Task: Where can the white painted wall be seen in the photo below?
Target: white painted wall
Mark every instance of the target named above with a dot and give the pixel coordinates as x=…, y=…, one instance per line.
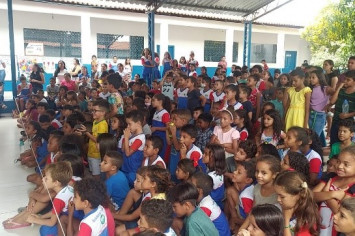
x=185, y=33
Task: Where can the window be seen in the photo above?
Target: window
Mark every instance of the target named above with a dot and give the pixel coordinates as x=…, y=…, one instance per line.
x=214, y=50
x=52, y=43
x=265, y=52
x=122, y=46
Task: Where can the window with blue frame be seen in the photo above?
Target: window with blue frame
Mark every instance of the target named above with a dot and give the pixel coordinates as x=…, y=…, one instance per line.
x=55, y=43
x=214, y=50
x=265, y=52
x=122, y=46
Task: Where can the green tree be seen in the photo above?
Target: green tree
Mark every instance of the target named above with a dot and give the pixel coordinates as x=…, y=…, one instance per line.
x=333, y=33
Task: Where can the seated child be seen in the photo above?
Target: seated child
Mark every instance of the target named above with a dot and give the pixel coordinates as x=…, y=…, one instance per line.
x=205, y=130
x=116, y=182
x=246, y=151
x=240, y=195
x=268, y=221
x=196, y=113
x=54, y=122
x=188, y=149
x=57, y=178
x=298, y=162
x=90, y=197
x=133, y=145
x=156, y=215
x=184, y=199
x=204, y=185
x=344, y=219
x=185, y=169
x=153, y=144
x=345, y=135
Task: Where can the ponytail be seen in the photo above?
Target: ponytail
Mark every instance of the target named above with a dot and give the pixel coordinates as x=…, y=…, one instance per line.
x=165, y=99
x=306, y=210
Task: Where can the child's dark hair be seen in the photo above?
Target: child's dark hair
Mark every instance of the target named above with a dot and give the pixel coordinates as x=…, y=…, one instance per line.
x=350, y=74
x=44, y=119
x=76, y=163
x=102, y=104
x=157, y=142
x=77, y=141
x=184, y=114
x=243, y=114
x=249, y=167
x=115, y=80
x=43, y=104
x=255, y=77
x=107, y=142
x=190, y=129
x=158, y=213
x=249, y=148
x=245, y=89
x=273, y=162
x=51, y=113
x=193, y=80
x=288, y=80
x=321, y=77
x=36, y=126
x=298, y=72
x=206, y=117
x=187, y=166
x=306, y=210
x=218, y=156
x=201, y=109
x=348, y=123
x=70, y=148
x=183, y=192
x=269, y=219
x=204, y=182
x=270, y=104
x=142, y=170
x=299, y=163
x=92, y=190
x=160, y=176
x=57, y=134
x=115, y=158
x=206, y=79
x=122, y=124
x=139, y=103
x=300, y=134
x=135, y=116
x=140, y=94
x=267, y=148
x=277, y=123
x=233, y=88
x=315, y=141
x=166, y=101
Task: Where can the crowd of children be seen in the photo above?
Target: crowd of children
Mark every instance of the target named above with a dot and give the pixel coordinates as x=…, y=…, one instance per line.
x=193, y=155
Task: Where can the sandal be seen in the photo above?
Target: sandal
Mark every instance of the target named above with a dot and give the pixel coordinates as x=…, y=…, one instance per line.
x=9, y=224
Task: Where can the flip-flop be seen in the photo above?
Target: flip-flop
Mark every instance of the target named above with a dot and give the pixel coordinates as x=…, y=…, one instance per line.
x=13, y=225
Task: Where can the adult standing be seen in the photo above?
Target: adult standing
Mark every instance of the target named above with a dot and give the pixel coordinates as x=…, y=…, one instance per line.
x=60, y=71
x=223, y=64
x=36, y=78
x=76, y=69
x=2, y=71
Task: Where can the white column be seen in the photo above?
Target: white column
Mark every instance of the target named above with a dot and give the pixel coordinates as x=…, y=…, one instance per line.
x=280, y=54
x=229, y=46
x=164, y=39
x=86, y=45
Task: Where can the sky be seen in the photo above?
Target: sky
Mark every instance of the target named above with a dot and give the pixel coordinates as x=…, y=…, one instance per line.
x=297, y=12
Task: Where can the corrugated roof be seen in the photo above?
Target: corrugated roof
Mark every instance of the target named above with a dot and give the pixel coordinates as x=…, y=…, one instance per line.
x=226, y=10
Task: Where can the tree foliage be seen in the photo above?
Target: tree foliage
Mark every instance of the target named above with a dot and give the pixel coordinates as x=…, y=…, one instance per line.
x=333, y=33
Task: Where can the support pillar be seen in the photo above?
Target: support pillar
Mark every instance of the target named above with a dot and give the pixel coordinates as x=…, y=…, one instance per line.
x=229, y=48
x=247, y=43
x=86, y=45
x=280, y=53
x=151, y=35
x=12, y=47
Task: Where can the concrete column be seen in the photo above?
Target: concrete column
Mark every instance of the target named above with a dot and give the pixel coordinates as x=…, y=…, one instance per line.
x=229, y=46
x=280, y=54
x=164, y=39
x=87, y=49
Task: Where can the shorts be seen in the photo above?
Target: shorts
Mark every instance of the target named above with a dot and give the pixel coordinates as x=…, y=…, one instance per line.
x=94, y=165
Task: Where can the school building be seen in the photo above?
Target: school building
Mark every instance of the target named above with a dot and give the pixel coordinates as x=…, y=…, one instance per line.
x=48, y=31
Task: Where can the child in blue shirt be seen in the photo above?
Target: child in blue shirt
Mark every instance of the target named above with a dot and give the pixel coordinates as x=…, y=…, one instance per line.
x=116, y=182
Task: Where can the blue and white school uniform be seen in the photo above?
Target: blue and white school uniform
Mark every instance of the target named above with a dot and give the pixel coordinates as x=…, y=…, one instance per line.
x=166, y=66
x=217, y=193
x=147, y=71
x=246, y=200
x=174, y=159
x=235, y=106
x=183, y=68
x=160, y=119
x=207, y=95
x=215, y=97
x=214, y=212
x=315, y=162
x=195, y=155
x=182, y=98
x=132, y=163
x=94, y=223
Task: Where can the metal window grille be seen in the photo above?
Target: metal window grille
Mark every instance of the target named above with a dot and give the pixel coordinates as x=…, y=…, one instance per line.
x=214, y=50
x=122, y=46
x=55, y=43
x=263, y=52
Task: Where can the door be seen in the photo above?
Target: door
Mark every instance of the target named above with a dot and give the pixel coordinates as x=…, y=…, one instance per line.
x=171, y=50
x=290, y=61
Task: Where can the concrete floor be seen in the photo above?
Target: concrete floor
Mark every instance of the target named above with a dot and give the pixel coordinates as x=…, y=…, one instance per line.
x=14, y=188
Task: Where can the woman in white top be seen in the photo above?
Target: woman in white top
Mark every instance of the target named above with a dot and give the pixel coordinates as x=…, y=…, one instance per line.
x=60, y=71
